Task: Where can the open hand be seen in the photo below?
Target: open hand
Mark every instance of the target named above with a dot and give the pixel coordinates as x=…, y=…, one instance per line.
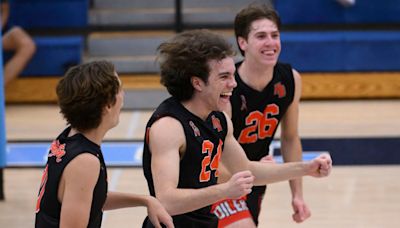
x=158, y=214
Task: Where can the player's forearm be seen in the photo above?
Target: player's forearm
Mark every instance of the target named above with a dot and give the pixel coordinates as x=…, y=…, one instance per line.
x=266, y=173
x=223, y=174
x=116, y=200
x=296, y=188
x=291, y=149
x=292, y=152
x=180, y=201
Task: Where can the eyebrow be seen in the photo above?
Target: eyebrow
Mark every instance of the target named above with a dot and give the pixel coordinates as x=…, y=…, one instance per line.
x=274, y=31
x=224, y=73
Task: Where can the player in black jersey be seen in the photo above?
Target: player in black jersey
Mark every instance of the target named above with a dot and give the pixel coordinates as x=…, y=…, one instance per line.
x=188, y=134
x=73, y=192
x=268, y=93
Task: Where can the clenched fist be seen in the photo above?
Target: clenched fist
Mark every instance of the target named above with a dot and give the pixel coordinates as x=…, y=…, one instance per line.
x=320, y=166
x=239, y=184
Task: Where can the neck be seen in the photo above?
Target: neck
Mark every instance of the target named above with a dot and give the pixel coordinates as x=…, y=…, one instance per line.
x=94, y=135
x=197, y=108
x=254, y=75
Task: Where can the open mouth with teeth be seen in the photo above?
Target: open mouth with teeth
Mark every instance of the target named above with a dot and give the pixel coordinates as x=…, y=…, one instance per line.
x=226, y=95
x=269, y=52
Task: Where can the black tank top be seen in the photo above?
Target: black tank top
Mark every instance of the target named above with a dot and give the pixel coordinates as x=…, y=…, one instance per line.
x=63, y=150
x=198, y=166
x=256, y=115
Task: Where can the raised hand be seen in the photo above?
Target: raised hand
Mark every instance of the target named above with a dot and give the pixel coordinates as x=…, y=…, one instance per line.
x=320, y=166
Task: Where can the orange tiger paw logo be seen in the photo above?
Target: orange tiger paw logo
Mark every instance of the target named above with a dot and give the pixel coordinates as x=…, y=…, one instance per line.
x=57, y=150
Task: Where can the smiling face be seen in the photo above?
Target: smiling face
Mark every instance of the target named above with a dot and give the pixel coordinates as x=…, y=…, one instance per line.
x=215, y=93
x=263, y=44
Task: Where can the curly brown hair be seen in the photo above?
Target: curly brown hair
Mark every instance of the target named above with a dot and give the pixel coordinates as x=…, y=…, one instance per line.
x=188, y=54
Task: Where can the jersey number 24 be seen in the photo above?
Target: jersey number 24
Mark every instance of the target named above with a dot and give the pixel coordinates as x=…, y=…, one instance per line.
x=209, y=163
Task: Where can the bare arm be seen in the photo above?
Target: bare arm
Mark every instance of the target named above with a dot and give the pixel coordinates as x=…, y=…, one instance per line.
x=116, y=200
x=76, y=196
x=155, y=210
x=290, y=142
x=235, y=160
x=292, y=151
x=165, y=149
x=5, y=11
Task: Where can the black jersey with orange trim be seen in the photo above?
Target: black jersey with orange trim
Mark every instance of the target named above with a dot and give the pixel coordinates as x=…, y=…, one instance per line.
x=199, y=163
x=63, y=150
x=256, y=115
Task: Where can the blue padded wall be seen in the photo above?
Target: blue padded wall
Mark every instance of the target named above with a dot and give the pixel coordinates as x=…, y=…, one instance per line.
x=49, y=13
x=373, y=11
x=331, y=12
x=357, y=151
x=342, y=51
x=54, y=55
x=309, y=11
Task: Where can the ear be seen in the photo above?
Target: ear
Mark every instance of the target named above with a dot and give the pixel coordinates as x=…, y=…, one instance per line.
x=197, y=83
x=107, y=109
x=242, y=43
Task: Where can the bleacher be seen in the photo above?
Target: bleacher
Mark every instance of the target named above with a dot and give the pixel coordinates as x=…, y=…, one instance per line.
x=341, y=52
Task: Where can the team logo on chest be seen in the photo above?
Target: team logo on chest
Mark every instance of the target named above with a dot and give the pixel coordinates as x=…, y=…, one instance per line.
x=216, y=123
x=279, y=90
x=196, y=130
x=57, y=150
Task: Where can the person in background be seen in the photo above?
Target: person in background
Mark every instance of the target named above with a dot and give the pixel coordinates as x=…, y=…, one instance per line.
x=17, y=40
x=267, y=94
x=74, y=189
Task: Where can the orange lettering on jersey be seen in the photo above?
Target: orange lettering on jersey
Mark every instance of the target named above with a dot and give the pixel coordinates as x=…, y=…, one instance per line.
x=207, y=148
x=215, y=162
x=267, y=124
x=209, y=163
x=249, y=134
x=259, y=125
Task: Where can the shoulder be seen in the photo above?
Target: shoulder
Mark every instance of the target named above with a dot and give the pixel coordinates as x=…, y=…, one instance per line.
x=167, y=122
x=166, y=136
x=297, y=77
x=165, y=128
x=86, y=160
x=86, y=166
